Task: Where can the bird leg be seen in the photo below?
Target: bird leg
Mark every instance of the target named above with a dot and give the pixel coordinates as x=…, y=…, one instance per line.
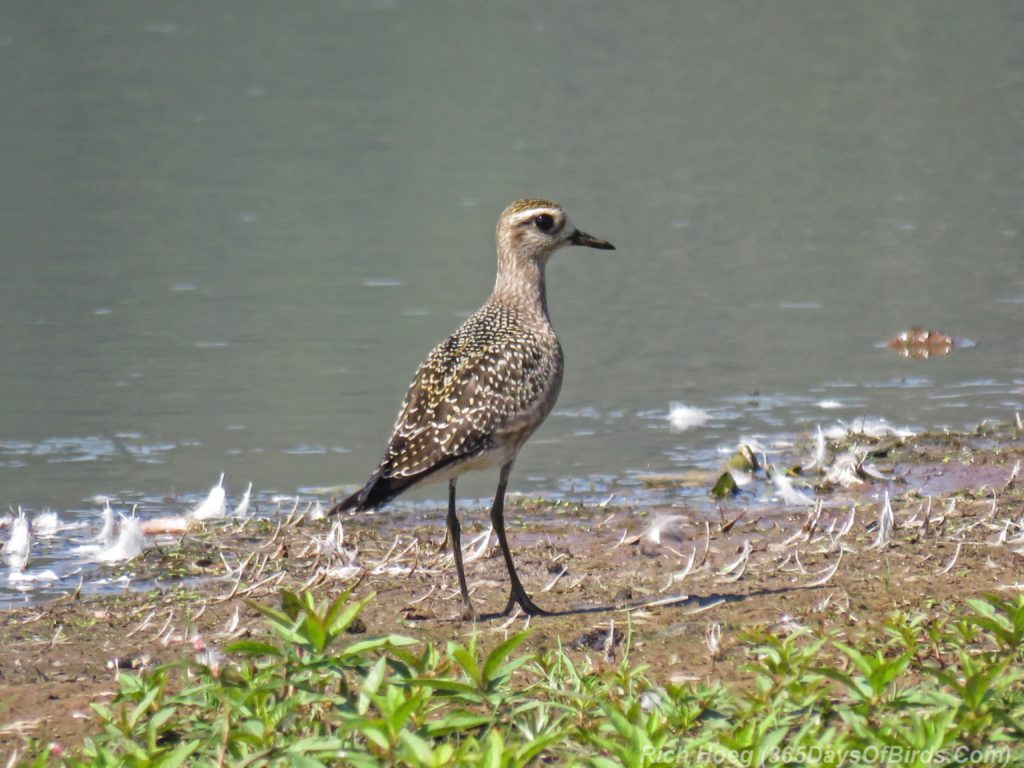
x=455, y=534
x=518, y=594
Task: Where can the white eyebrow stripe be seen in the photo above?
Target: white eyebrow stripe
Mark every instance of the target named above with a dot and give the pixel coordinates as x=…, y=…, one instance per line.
x=532, y=212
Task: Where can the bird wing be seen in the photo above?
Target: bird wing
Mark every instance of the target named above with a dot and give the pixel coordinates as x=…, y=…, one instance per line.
x=485, y=378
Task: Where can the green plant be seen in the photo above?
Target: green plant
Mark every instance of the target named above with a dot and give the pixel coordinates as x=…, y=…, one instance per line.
x=914, y=691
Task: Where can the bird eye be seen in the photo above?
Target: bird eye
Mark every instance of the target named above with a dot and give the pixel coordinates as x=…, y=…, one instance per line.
x=545, y=222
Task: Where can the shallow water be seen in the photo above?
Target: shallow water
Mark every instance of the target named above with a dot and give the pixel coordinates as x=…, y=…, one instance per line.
x=229, y=233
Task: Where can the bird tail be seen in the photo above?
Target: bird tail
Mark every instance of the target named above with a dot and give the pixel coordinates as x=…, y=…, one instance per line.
x=377, y=492
x=379, y=489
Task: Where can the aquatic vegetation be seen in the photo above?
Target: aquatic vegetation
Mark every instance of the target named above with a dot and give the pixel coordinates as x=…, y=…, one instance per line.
x=913, y=690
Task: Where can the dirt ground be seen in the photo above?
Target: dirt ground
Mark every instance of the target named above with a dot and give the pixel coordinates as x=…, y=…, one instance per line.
x=671, y=574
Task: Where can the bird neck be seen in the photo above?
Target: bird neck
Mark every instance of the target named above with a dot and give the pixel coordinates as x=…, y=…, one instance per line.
x=520, y=282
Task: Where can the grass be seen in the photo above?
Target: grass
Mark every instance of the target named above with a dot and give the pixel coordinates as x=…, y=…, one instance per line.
x=917, y=690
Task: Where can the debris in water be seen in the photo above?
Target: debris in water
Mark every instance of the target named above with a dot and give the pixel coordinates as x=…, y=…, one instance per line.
x=682, y=417
x=172, y=525
x=738, y=471
x=46, y=523
x=921, y=343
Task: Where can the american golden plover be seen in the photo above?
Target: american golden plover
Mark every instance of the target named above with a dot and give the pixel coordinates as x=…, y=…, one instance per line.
x=486, y=388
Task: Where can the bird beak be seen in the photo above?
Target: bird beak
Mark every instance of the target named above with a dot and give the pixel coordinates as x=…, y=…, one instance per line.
x=582, y=238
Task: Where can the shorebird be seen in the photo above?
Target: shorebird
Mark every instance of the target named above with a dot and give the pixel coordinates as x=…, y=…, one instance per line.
x=485, y=389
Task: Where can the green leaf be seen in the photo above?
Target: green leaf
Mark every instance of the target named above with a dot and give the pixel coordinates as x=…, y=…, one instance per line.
x=447, y=685
x=303, y=761
x=860, y=689
x=315, y=631
x=501, y=652
x=317, y=744
x=419, y=747
x=494, y=749
x=373, y=643
x=338, y=606
x=252, y=648
x=455, y=721
x=141, y=708
x=292, y=604
x=466, y=660
x=178, y=756
x=339, y=620
x=271, y=613
x=726, y=486
x=371, y=684
x=768, y=744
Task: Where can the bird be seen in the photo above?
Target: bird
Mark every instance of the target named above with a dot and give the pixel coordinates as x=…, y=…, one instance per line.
x=482, y=392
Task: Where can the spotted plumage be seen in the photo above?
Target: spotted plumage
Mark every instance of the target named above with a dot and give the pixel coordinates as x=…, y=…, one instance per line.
x=492, y=380
x=484, y=390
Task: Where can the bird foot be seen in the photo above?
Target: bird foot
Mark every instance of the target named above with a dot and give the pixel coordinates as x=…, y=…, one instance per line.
x=523, y=600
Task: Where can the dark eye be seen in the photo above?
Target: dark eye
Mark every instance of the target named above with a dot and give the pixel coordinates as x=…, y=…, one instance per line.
x=545, y=222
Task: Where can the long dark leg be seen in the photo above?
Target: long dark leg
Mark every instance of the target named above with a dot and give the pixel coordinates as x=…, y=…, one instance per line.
x=518, y=594
x=455, y=534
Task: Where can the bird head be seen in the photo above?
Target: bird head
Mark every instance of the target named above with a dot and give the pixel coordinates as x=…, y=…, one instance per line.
x=534, y=229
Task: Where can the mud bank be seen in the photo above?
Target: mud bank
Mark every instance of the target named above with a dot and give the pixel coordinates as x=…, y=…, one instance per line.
x=673, y=577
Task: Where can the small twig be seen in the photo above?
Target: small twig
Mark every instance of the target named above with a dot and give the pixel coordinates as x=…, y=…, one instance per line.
x=952, y=561
x=707, y=544
x=170, y=618
x=554, y=581
x=420, y=599
x=708, y=607
x=143, y=624
x=738, y=562
x=828, y=573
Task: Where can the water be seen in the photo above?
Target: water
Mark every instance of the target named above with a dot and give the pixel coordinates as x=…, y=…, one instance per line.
x=229, y=232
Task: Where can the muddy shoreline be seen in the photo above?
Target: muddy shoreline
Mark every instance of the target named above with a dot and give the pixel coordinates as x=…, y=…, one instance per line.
x=669, y=575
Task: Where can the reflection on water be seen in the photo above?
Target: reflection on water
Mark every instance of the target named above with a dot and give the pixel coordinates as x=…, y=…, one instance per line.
x=229, y=233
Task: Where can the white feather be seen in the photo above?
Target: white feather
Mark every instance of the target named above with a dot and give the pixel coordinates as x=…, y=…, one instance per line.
x=668, y=527
x=790, y=495
x=130, y=542
x=46, y=523
x=106, y=535
x=243, y=506
x=17, y=551
x=885, y=524
x=682, y=417
x=316, y=511
x=214, y=505
x=818, y=459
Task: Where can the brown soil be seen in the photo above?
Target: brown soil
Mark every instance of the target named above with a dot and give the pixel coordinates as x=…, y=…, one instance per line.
x=955, y=525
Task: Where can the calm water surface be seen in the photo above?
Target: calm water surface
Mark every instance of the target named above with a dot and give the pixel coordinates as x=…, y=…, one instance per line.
x=229, y=232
